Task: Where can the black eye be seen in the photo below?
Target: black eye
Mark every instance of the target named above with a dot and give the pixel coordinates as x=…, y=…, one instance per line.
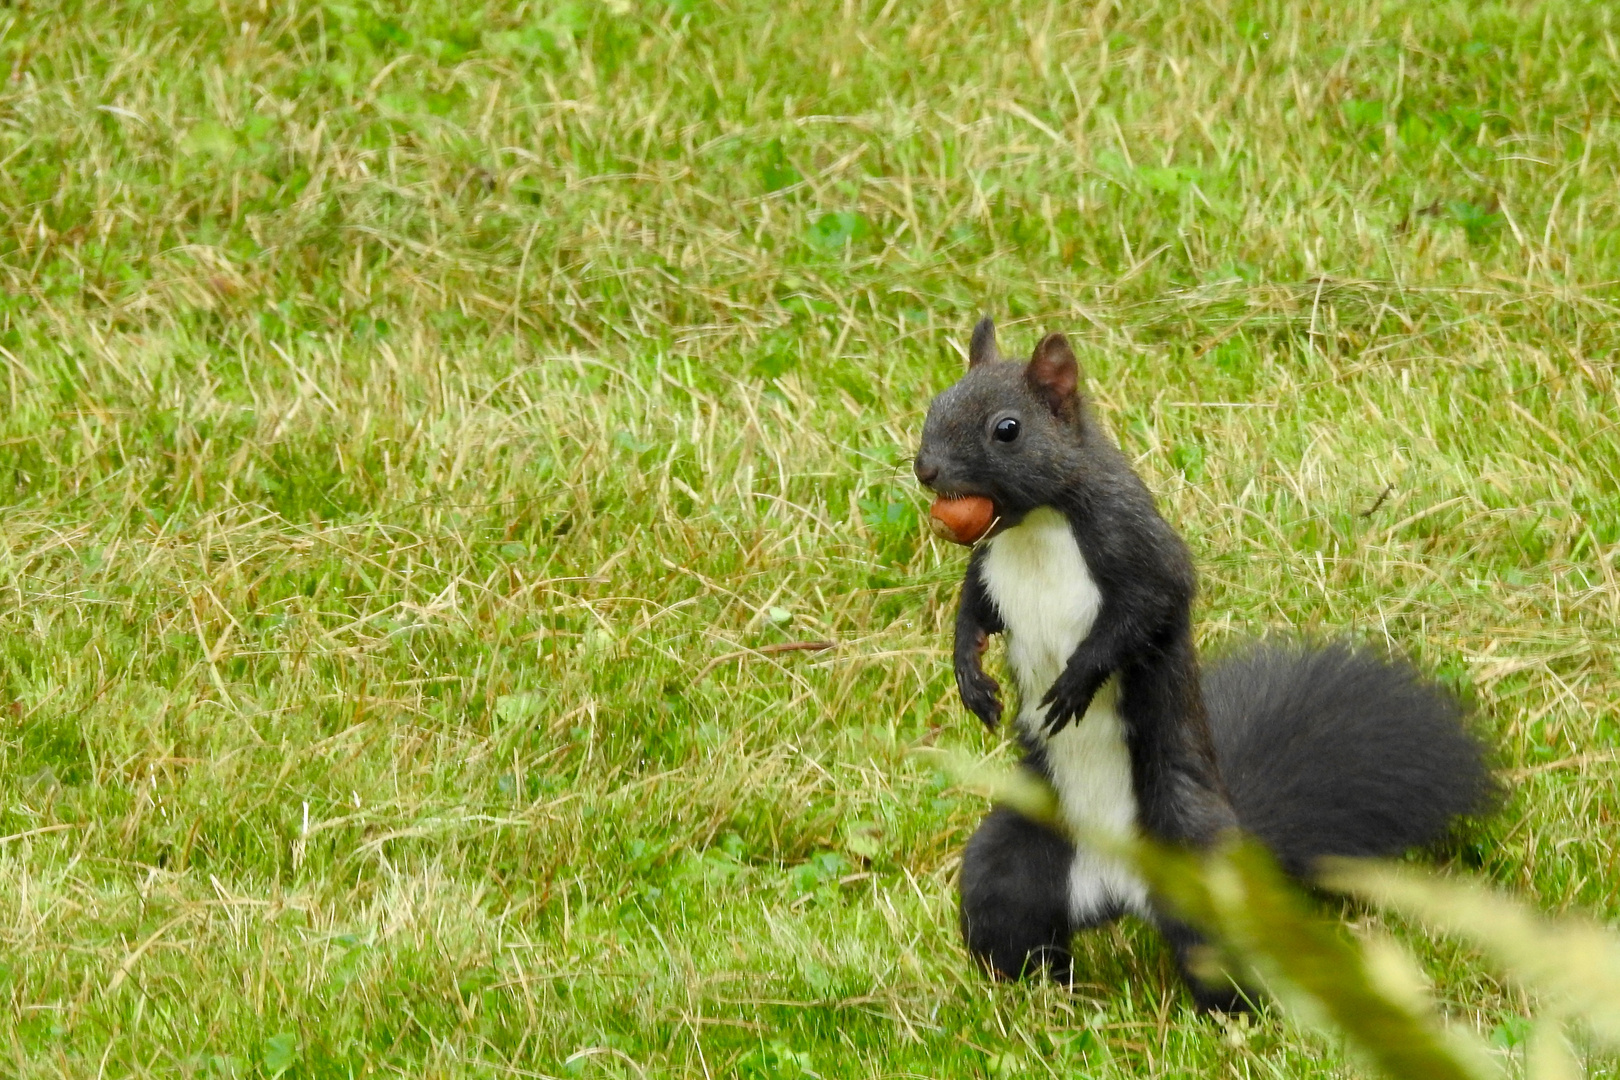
x=1006, y=429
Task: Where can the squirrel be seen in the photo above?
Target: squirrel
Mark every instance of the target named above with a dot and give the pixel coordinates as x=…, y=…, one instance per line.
x=1314, y=751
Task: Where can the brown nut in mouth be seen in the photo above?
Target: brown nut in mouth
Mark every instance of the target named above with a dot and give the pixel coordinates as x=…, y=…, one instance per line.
x=961, y=519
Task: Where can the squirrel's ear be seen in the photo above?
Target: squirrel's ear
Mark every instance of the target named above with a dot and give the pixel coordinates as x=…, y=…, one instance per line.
x=982, y=349
x=1054, y=374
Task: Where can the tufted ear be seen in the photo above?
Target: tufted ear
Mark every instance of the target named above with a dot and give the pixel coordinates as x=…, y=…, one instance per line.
x=1054, y=375
x=982, y=349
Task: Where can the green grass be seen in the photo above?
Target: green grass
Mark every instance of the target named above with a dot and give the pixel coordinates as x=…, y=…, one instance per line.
x=416, y=420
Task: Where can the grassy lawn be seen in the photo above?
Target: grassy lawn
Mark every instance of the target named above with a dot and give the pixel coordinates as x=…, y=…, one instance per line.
x=426, y=426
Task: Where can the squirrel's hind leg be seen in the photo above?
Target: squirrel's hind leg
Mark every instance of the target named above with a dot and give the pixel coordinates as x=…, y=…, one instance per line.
x=1211, y=990
x=1015, y=897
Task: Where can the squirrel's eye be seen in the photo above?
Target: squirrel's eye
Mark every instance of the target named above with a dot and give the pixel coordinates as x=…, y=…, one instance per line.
x=1006, y=430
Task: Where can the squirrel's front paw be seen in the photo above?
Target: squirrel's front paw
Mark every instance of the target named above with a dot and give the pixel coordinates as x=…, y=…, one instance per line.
x=1069, y=698
x=981, y=694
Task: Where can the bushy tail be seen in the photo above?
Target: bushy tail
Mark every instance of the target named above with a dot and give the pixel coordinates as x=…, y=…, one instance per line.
x=1335, y=751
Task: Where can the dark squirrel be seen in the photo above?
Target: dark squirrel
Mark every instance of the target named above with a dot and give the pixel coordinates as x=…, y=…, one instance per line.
x=1324, y=751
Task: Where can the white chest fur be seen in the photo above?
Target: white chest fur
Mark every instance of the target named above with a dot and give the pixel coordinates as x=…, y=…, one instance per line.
x=1038, y=580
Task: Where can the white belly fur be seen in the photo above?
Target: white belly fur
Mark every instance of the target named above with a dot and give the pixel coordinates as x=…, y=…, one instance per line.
x=1047, y=600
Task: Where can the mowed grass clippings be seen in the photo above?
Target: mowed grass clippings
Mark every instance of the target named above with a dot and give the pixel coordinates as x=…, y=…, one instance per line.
x=464, y=609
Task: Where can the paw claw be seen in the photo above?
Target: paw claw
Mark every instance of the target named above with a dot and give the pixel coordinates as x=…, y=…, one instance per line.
x=981, y=695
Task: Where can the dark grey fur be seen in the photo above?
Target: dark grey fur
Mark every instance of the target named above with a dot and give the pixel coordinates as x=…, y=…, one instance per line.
x=1316, y=753
x=1336, y=751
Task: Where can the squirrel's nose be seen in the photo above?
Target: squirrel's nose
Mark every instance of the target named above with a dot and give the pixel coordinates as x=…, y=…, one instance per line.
x=927, y=472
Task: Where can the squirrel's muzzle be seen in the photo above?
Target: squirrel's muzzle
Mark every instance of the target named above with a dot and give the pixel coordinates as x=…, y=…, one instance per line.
x=927, y=471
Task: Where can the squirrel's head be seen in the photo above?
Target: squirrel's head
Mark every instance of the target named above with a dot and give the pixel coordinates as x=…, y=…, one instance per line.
x=1013, y=433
